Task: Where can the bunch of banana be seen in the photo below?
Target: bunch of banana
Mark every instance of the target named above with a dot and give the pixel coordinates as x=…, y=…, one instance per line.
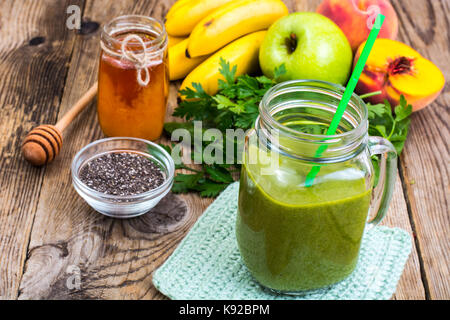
x=174, y=40
x=203, y=31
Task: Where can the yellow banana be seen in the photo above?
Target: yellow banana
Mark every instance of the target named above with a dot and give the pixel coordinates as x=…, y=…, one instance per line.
x=232, y=21
x=176, y=6
x=174, y=40
x=179, y=64
x=185, y=14
x=242, y=52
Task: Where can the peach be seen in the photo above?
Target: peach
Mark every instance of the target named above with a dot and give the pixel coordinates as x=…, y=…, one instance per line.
x=396, y=69
x=356, y=18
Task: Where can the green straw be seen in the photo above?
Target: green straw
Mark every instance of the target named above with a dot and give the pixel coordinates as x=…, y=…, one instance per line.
x=347, y=94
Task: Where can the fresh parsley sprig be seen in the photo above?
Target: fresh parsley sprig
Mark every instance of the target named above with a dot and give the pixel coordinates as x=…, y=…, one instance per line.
x=393, y=127
x=236, y=104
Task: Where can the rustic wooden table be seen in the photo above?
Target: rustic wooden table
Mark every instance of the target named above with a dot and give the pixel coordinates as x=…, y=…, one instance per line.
x=50, y=237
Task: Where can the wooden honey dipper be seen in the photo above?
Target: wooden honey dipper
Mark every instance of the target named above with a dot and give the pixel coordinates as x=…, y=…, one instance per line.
x=43, y=143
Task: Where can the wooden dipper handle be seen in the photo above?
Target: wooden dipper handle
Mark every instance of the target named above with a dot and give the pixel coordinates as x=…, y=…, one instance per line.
x=43, y=143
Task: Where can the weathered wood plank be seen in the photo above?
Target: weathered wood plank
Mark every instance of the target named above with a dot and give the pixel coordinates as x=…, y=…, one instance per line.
x=425, y=160
x=410, y=286
x=34, y=52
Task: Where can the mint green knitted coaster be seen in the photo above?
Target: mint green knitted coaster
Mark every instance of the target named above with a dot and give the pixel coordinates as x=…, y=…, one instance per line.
x=207, y=264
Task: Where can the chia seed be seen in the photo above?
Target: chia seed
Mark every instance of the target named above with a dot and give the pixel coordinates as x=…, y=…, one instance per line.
x=121, y=174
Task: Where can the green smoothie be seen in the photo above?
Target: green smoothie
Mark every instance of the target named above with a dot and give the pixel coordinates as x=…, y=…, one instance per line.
x=294, y=238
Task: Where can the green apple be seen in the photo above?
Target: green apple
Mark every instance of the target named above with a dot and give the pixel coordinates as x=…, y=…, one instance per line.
x=310, y=45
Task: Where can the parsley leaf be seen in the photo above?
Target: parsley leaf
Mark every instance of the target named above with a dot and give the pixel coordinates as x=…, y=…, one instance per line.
x=184, y=183
x=393, y=127
x=211, y=189
x=219, y=174
x=279, y=71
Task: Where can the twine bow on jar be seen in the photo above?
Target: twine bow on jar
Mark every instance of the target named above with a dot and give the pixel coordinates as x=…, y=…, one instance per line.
x=141, y=61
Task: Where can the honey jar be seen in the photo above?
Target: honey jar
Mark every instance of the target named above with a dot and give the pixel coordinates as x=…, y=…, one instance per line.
x=133, y=78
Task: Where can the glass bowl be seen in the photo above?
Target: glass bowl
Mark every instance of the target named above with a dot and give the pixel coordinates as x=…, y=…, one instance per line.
x=123, y=206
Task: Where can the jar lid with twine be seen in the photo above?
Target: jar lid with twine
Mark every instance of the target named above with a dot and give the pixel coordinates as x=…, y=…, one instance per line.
x=133, y=49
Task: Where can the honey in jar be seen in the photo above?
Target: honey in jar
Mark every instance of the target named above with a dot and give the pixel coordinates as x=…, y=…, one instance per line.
x=133, y=78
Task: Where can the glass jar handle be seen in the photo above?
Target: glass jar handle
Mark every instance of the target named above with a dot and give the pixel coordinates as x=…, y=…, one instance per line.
x=382, y=193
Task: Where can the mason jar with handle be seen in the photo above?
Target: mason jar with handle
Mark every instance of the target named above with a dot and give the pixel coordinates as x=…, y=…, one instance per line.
x=294, y=237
